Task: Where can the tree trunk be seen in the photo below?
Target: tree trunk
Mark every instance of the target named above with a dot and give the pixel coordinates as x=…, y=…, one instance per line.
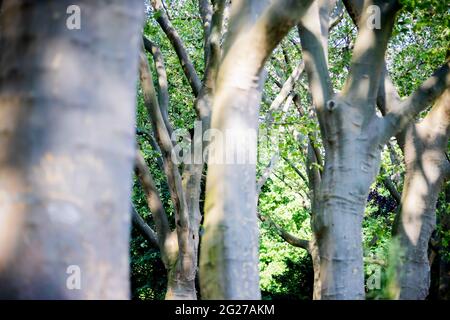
x=181, y=282
x=426, y=169
x=181, y=275
x=67, y=105
x=352, y=159
x=313, y=250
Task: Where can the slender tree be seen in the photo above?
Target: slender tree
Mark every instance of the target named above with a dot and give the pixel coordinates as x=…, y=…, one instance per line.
x=179, y=247
x=427, y=168
x=67, y=101
x=353, y=135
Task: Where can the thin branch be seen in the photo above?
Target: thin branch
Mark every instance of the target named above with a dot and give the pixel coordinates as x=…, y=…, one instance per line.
x=315, y=53
x=262, y=34
x=266, y=174
x=390, y=186
x=288, y=86
x=173, y=36
x=424, y=96
x=146, y=231
x=296, y=170
x=370, y=46
x=314, y=175
x=162, y=137
x=163, y=85
x=338, y=16
x=318, y=156
x=154, y=146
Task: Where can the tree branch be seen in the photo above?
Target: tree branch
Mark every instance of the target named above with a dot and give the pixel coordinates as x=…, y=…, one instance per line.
x=390, y=186
x=205, y=9
x=266, y=174
x=288, y=86
x=177, y=43
x=213, y=55
x=286, y=236
x=317, y=155
x=297, y=171
x=402, y=114
x=213, y=50
x=163, y=85
x=337, y=18
x=153, y=200
x=315, y=52
x=368, y=55
x=262, y=35
x=144, y=228
x=154, y=146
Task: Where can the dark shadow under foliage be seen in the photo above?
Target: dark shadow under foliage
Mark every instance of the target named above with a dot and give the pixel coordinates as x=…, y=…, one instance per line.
x=297, y=281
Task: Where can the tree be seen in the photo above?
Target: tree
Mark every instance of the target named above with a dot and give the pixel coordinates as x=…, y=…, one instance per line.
x=179, y=248
x=67, y=102
x=229, y=252
x=353, y=136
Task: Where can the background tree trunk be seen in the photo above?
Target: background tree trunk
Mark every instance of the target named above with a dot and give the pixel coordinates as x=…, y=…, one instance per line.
x=427, y=167
x=67, y=106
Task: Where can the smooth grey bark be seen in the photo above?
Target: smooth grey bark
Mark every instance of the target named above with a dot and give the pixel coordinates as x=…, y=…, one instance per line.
x=444, y=265
x=186, y=187
x=188, y=68
x=229, y=250
x=181, y=261
x=427, y=168
x=67, y=105
x=352, y=148
x=353, y=136
x=414, y=274
x=193, y=172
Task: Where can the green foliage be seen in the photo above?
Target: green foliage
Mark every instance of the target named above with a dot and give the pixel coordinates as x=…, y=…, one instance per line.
x=148, y=276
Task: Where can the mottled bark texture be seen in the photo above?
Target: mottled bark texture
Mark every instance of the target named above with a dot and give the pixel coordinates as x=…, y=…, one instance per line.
x=67, y=105
x=444, y=262
x=181, y=251
x=229, y=250
x=353, y=136
x=427, y=167
x=186, y=186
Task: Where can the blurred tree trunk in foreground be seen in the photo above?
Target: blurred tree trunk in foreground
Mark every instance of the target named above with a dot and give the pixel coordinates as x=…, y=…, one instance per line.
x=67, y=105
